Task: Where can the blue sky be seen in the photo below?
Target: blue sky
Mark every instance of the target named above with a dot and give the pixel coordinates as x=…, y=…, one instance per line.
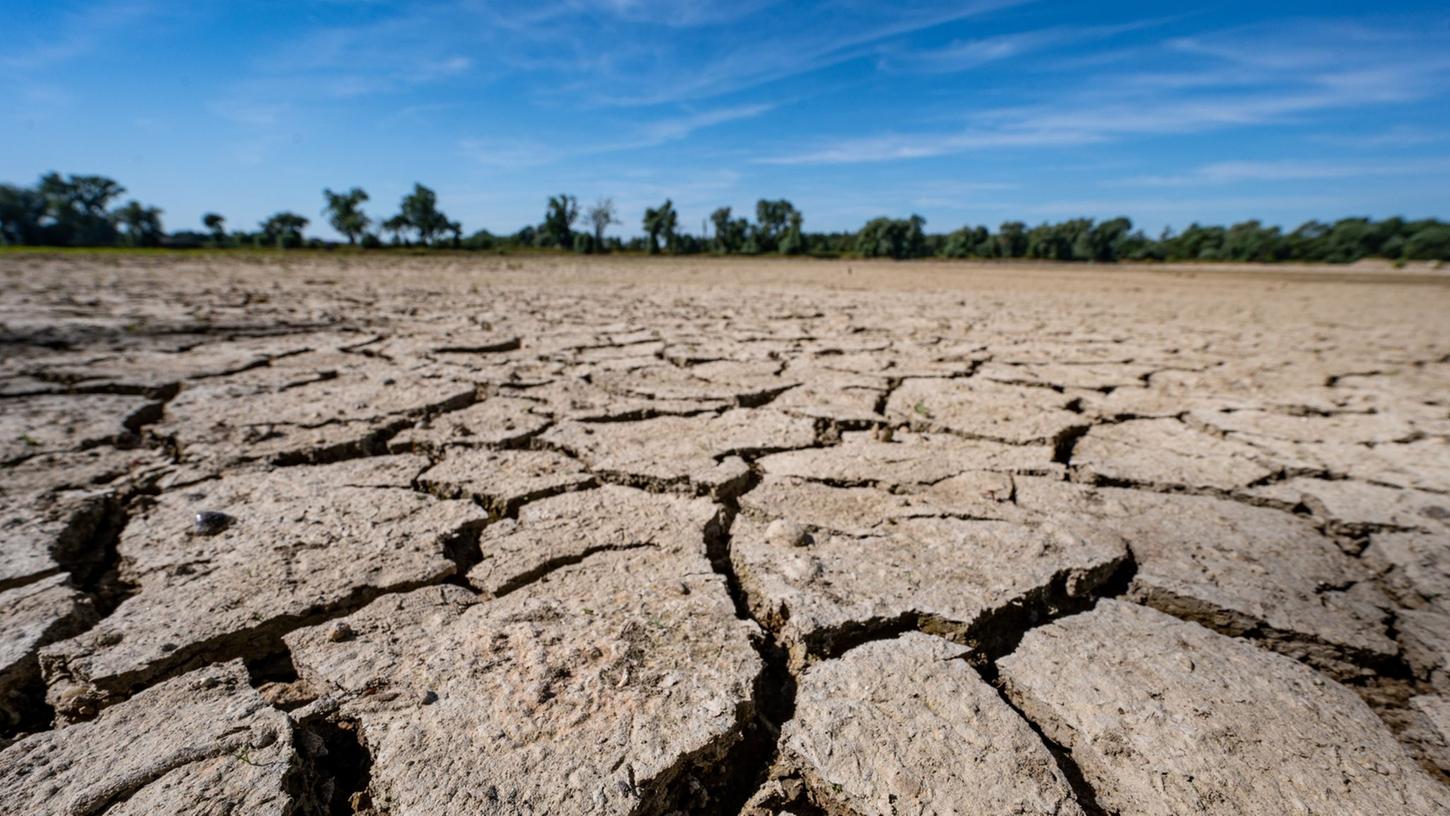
x=966, y=112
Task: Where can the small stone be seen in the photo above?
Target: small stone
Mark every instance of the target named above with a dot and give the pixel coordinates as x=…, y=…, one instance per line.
x=339, y=631
x=788, y=533
x=429, y=698
x=211, y=522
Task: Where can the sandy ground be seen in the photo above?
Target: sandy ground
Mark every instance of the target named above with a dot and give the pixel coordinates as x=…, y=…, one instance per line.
x=311, y=533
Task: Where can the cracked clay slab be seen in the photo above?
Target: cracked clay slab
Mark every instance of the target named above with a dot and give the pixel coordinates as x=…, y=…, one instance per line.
x=567, y=528
x=302, y=541
x=698, y=452
x=1238, y=569
x=615, y=685
x=203, y=743
x=1167, y=453
x=1165, y=717
x=907, y=726
x=503, y=480
x=947, y=576
x=983, y=409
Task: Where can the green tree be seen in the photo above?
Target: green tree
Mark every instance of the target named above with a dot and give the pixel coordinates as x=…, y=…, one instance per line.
x=1012, y=240
x=559, y=218
x=969, y=242
x=216, y=224
x=730, y=233
x=601, y=216
x=793, y=240
x=344, y=213
x=1041, y=242
x=1076, y=236
x=21, y=210
x=420, y=213
x=1252, y=241
x=1101, y=242
x=1306, y=242
x=284, y=229
x=661, y=223
x=483, y=239
x=142, y=224
x=396, y=227
x=958, y=244
x=1431, y=243
x=772, y=219
x=898, y=238
x=76, y=206
x=1351, y=239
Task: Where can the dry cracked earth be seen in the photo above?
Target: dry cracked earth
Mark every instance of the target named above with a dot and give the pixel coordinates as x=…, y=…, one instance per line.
x=400, y=536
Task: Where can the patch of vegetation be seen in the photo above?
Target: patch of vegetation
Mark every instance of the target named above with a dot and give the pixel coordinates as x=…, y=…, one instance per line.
x=75, y=211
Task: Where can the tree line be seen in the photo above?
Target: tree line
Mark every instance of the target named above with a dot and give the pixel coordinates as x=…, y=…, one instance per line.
x=80, y=210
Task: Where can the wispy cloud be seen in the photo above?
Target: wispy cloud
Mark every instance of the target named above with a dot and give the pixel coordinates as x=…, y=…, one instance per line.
x=962, y=55
x=666, y=130
x=76, y=34
x=843, y=34
x=528, y=153
x=951, y=196
x=1193, y=207
x=897, y=147
x=1397, y=136
x=1233, y=172
x=618, y=57
x=1237, y=88
x=507, y=153
x=674, y=13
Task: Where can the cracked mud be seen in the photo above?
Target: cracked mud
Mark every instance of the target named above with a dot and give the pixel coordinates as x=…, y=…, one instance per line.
x=637, y=537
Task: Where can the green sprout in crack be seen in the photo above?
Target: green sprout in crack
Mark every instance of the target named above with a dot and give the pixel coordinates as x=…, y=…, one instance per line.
x=245, y=757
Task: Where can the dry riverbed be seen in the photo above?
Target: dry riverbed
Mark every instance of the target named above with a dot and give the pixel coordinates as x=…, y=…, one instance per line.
x=308, y=533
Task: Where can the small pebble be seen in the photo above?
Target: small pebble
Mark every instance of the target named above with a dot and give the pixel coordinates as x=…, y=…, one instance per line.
x=211, y=522
x=339, y=631
x=788, y=533
x=429, y=698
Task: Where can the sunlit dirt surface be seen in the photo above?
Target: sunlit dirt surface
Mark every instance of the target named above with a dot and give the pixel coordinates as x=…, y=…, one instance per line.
x=403, y=534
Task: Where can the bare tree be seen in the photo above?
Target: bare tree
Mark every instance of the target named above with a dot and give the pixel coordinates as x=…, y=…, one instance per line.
x=601, y=215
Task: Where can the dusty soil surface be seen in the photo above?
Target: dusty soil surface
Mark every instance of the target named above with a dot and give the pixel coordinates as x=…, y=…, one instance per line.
x=311, y=534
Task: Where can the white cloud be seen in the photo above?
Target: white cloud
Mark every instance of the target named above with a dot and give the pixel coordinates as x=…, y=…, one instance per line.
x=667, y=130
x=1202, y=208
x=1397, y=136
x=963, y=55
x=76, y=34
x=897, y=147
x=510, y=153
x=1232, y=172
x=1237, y=88
x=838, y=34
x=503, y=153
x=675, y=13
